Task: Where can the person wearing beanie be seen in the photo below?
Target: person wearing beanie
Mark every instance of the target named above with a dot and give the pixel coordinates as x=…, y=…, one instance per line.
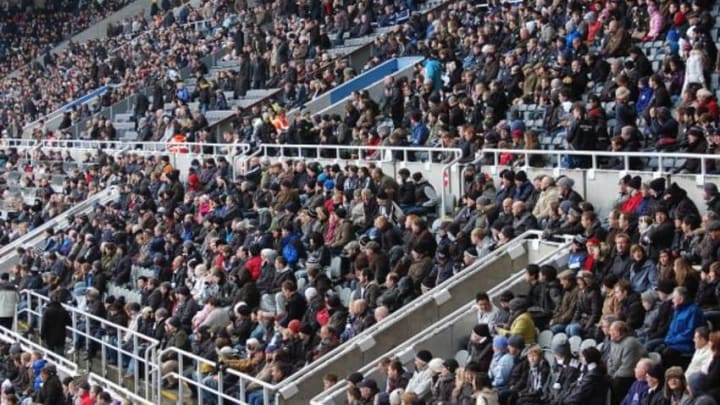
x=567, y=370
x=502, y=363
x=523, y=187
x=658, y=330
x=655, y=377
x=442, y=387
x=564, y=312
x=521, y=323
x=592, y=386
x=565, y=187
x=422, y=377
x=480, y=346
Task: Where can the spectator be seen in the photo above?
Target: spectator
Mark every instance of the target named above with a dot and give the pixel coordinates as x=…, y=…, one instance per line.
x=679, y=339
x=630, y=309
x=421, y=379
x=521, y=322
x=502, y=363
x=675, y=386
x=638, y=392
x=642, y=275
x=703, y=355
x=592, y=386
x=588, y=310
x=625, y=352
x=565, y=311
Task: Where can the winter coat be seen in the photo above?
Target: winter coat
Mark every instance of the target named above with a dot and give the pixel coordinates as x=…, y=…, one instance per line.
x=624, y=354
x=590, y=389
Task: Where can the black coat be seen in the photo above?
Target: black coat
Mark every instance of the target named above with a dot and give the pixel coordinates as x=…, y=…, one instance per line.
x=51, y=392
x=632, y=311
x=590, y=389
x=54, y=321
x=656, y=398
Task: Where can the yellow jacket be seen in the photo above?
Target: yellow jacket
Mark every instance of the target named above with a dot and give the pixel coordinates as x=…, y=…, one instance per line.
x=524, y=326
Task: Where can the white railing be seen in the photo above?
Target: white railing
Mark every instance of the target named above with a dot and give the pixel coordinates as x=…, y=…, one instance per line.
x=186, y=359
x=362, y=155
x=7, y=252
x=128, y=146
x=142, y=356
x=334, y=393
x=596, y=156
x=64, y=365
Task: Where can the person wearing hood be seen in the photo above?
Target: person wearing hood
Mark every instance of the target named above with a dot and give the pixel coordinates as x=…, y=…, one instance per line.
x=678, y=202
x=521, y=322
x=642, y=275
x=480, y=347
x=712, y=197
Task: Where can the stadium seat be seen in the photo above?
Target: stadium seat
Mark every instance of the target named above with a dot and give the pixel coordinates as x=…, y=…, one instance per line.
x=558, y=339
x=462, y=357
x=545, y=338
x=575, y=342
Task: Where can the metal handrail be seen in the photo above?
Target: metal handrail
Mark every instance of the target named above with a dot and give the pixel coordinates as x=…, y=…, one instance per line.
x=7, y=250
x=128, y=146
x=422, y=300
x=594, y=155
x=494, y=292
x=243, y=379
x=148, y=357
x=60, y=362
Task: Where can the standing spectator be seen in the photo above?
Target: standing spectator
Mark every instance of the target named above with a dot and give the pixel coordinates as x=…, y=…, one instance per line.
x=54, y=321
x=625, y=352
x=9, y=298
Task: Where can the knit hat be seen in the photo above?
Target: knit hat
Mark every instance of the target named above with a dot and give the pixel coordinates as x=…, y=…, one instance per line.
x=563, y=349
x=294, y=326
x=516, y=341
x=482, y=330
x=710, y=188
x=424, y=355
x=665, y=286
x=436, y=365
x=565, y=182
x=674, y=372
x=658, y=185
x=500, y=342
x=635, y=182
x=451, y=365
x=567, y=274
x=656, y=371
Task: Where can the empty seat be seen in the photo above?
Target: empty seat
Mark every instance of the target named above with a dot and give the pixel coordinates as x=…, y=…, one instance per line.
x=462, y=357
x=559, y=339
x=587, y=343
x=545, y=338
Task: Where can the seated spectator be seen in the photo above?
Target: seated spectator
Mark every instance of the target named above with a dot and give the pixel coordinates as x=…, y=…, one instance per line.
x=421, y=379
x=589, y=306
x=502, y=363
x=521, y=323
x=538, y=377
x=480, y=347
x=631, y=310
x=486, y=311
x=565, y=311
x=703, y=355
x=687, y=317
x=638, y=392
x=592, y=386
x=642, y=276
x=676, y=386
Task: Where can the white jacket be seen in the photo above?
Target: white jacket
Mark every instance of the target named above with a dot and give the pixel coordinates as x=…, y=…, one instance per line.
x=8, y=301
x=420, y=382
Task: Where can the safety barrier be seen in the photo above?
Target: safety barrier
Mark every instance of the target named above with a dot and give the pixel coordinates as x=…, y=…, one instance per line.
x=240, y=389
x=425, y=310
x=431, y=161
x=442, y=337
x=8, y=254
x=106, y=338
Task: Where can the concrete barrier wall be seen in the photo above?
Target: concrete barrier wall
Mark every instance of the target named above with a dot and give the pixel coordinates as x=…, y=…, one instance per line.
x=422, y=314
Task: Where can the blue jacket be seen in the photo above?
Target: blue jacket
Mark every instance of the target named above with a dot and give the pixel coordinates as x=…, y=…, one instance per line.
x=420, y=134
x=644, y=98
x=643, y=276
x=523, y=191
x=685, y=320
x=290, y=250
x=636, y=394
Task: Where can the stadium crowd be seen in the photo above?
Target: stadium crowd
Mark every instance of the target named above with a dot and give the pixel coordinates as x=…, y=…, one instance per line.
x=29, y=378
x=31, y=30
x=269, y=273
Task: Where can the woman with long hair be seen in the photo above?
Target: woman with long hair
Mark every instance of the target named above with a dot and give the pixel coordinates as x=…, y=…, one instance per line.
x=686, y=276
x=675, y=390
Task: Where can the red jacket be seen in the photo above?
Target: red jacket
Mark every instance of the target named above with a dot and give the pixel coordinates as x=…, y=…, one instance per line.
x=254, y=266
x=631, y=204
